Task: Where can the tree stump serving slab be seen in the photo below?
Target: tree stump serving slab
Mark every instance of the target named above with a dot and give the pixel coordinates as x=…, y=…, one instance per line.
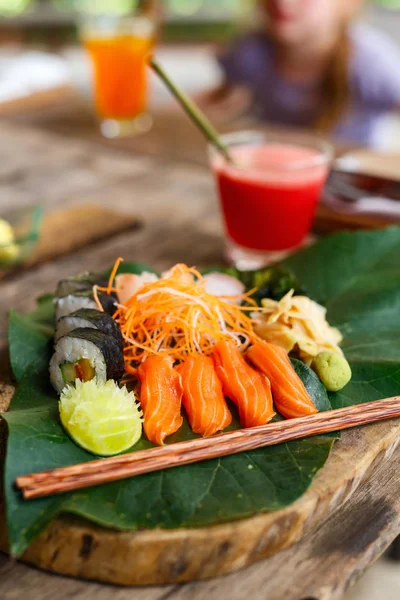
x=76, y=547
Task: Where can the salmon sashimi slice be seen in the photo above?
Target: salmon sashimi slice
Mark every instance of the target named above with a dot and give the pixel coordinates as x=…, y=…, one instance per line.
x=290, y=395
x=203, y=398
x=249, y=389
x=160, y=398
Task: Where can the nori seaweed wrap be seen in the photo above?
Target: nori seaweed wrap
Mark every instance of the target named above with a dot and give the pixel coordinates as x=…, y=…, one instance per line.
x=66, y=305
x=79, y=283
x=88, y=318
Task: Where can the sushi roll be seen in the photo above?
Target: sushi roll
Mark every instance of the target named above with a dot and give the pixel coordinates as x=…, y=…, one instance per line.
x=83, y=282
x=71, y=286
x=89, y=318
x=66, y=305
x=85, y=354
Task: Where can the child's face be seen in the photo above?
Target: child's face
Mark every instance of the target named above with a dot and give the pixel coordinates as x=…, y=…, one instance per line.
x=292, y=21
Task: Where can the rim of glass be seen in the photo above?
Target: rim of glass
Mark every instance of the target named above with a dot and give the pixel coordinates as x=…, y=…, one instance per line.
x=108, y=25
x=253, y=137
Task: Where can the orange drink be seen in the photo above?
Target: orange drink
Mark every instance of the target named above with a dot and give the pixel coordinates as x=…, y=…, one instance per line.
x=118, y=54
x=120, y=76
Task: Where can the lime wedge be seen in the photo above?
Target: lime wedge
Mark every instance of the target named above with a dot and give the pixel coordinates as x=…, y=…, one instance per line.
x=101, y=417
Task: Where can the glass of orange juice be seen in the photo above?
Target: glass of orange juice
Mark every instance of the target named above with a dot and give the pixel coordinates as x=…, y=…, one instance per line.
x=118, y=47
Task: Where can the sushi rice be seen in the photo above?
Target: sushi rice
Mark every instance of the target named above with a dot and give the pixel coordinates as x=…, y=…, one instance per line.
x=69, y=323
x=72, y=303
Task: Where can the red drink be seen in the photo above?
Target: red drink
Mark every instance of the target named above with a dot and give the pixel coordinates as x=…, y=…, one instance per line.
x=269, y=200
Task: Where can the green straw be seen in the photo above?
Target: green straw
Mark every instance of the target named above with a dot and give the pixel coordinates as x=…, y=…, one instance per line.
x=193, y=111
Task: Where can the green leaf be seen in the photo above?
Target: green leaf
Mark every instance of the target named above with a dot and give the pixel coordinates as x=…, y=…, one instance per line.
x=370, y=381
x=357, y=276
x=195, y=495
x=29, y=337
x=342, y=262
x=313, y=385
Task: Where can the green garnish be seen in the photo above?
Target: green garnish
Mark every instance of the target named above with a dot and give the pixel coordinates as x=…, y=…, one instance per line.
x=81, y=370
x=333, y=370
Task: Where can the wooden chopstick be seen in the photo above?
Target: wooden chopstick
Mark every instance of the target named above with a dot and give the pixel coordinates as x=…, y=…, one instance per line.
x=124, y=466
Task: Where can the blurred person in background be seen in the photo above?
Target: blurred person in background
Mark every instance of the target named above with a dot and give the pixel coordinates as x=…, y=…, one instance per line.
x=309, y=65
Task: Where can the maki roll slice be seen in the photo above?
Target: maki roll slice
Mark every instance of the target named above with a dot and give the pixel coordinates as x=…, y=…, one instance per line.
x=85, y=354
x=75, y=293
x=83, y=282
x=66, y=305
x=73, y=302
x=88, y=318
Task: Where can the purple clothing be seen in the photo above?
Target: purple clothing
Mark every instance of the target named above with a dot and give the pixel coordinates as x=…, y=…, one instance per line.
x=374, y=80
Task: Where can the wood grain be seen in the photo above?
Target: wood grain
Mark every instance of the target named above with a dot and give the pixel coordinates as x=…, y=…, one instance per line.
x=69, y=229
x=181, y=220
x=38, y=100
x=66, y=230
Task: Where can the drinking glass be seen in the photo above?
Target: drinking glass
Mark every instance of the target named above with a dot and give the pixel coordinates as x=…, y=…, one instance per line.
x=269, y=193
x=118, y=46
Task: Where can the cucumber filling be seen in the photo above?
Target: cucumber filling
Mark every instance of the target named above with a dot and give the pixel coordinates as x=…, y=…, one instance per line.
x=81, y=370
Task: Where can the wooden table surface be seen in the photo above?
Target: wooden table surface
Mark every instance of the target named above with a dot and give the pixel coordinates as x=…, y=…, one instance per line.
x=167, y=187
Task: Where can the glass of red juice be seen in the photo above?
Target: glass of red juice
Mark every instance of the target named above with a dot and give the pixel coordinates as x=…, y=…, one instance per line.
x=269, y=193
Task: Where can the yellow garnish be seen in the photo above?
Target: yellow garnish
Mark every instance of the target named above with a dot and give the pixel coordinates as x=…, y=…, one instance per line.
x=297, y=323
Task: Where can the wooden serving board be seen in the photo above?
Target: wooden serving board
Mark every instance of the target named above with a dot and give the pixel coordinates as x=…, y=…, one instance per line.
x=73, y=546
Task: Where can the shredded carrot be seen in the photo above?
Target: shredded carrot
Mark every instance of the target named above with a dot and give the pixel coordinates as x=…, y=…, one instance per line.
x=130, y=370
x=109, y=288
x=175, y=316
x=96, y=298
x=113, y=274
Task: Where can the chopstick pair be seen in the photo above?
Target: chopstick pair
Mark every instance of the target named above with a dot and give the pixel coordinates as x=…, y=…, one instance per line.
x=124, y=466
